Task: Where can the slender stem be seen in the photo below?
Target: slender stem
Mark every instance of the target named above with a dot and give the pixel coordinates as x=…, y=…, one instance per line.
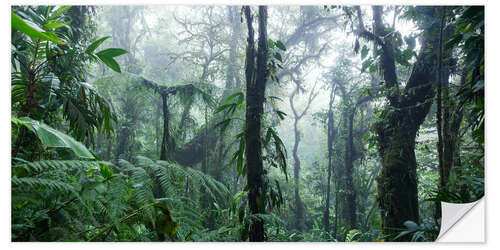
x=439, y=115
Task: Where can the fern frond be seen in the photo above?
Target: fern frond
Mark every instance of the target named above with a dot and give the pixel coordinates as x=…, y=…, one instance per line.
x=40, y=183
x=47, y=165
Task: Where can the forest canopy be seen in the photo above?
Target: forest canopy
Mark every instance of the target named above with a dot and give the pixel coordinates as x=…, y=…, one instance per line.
x=244, y=123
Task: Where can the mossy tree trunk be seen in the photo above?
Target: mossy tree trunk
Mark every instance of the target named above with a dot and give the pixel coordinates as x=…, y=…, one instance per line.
x=397, y=182
x=449, y=114
x=401, y=120
x=166, y=134
x=349, y=169
x=256, y=73
x=350, y=106
x=331, y=131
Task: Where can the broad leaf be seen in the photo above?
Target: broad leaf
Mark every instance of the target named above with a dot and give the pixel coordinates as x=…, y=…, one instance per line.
x=53, y=25
x=51, y=137
x=111, y=63
x=91, y=48
x=231, y=97
x=112, y=52
x=280, y=45
x=107, y=55
x=59, y=11
x=32, y=30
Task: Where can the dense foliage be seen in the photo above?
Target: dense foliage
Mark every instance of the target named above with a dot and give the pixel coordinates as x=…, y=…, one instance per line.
x=227, y=123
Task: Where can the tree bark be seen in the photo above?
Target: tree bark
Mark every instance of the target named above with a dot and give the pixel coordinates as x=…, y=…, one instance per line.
x=157, y=118
x=443, y=171
x=349, y=163
x=397, y=182
x=166, y=134
x=299, y=207
x=256, y=78
x=338, y=177
x=452, y=119
x=331, y=134
x=450, y=122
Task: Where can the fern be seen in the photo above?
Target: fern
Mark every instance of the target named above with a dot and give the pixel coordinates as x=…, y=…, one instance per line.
x=57, y=199
x=40, y=183
x=174, y=180
x=86, y=200
x=48, y=165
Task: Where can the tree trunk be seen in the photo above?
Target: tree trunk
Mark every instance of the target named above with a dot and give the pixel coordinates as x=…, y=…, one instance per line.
x=166, y=134
x=349, y=168
x=337, y=186
x=397, y=182
x=157, y=127
x=443, y=171
x=338, y=172
x=448, y=123
x=451, y=131
x=299, y=207
x=256, y=78
x=326, y=218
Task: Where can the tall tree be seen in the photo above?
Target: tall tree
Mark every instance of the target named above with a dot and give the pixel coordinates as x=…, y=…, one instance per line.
x=352, y=100
x=454, y=100
x=402, y=116
x=299, y=206
x=256, y=74
x=331, y=134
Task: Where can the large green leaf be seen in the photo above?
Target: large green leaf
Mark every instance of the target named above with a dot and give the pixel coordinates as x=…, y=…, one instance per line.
x=91, y=48
x=51, y=137
x=54, y=25
x=112, y=52
x=33, y=31
x=111, y=63
x=59, y=11
x=107, y=55
x=280, y=45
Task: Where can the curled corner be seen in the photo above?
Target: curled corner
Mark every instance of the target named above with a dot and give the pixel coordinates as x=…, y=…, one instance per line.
x=453, y=213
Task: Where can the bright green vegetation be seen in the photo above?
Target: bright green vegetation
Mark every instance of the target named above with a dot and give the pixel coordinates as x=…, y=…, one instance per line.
x=230, y=123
